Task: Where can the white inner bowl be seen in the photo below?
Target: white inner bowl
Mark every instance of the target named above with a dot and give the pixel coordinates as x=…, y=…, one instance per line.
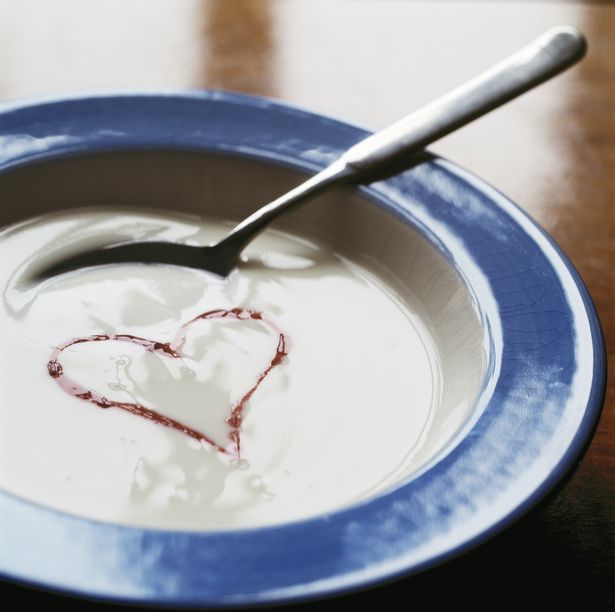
x=343, y=235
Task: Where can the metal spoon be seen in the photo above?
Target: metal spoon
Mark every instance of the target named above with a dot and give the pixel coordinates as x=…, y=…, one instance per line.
x=383, y=153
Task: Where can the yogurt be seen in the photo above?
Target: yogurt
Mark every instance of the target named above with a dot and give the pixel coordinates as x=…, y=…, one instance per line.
x=311, y=386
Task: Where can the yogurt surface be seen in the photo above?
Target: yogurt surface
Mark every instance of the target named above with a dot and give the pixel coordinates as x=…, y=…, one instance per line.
x=343, y=415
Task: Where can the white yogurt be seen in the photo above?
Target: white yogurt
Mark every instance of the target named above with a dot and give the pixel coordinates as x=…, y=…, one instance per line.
x=344, y=416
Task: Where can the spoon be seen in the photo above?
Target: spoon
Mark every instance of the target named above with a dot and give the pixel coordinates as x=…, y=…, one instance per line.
x=382, y=154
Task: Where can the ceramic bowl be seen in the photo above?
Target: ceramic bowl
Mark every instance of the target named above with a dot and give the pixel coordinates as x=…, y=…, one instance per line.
x=522, y=357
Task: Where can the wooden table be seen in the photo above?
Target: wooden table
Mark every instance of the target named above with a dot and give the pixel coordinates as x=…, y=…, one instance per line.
x=369, y=62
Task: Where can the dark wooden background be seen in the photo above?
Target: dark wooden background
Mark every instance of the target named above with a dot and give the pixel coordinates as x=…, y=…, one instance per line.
x=370, y=62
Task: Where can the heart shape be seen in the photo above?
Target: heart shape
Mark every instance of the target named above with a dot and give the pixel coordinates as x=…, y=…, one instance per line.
x=171, y=350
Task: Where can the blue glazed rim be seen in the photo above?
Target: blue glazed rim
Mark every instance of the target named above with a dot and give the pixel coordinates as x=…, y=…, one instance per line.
x=538, y=409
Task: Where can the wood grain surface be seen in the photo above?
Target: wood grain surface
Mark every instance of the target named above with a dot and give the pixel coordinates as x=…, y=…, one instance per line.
x=370, y=62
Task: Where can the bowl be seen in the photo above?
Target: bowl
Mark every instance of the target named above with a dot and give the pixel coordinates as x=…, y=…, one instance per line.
x=520, y=347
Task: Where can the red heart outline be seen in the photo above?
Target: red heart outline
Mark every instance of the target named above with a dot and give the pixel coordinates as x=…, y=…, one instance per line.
x=171, y=350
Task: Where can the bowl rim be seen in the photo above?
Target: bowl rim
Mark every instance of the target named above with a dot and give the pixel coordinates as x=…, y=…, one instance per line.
x=397, y=533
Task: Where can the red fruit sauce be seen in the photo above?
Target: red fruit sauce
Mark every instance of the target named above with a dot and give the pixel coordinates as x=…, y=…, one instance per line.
x=173, y=351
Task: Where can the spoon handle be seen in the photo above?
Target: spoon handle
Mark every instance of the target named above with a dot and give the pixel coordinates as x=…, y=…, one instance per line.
x=394, y=146
x=557, y=49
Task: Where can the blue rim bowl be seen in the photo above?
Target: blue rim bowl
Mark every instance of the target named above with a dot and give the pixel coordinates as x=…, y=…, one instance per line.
x=540, y=402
